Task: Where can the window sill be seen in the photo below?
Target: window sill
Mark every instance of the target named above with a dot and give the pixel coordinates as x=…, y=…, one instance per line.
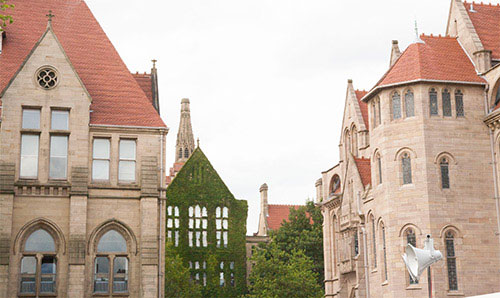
x=374, y=270
x=455, y=293
x=385, y=283
x=112, y=295
x=414, y=287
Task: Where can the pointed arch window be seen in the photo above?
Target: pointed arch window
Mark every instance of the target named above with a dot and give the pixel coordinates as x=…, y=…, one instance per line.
x=446, y=103
x=374, y=109
x=445, y=173
x=451, y=261
x=433, y=102
x=334, y=243
x=186, y=153
x=411, y=238
x=384, y=250
x=459, y=103
x=198, y=224
x=379, y=112
x=111, y=264
x=173, y=225
x=180, y=152
x=335, y=185
x=221, y=226
x=396, y=106
x=379, y=167
x=406, y=166
x=409, y=104
x=374, y=242
x=38, y=265
x=354, y=141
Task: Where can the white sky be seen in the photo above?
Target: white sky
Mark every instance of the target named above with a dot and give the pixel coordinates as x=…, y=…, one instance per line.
x=266, y=78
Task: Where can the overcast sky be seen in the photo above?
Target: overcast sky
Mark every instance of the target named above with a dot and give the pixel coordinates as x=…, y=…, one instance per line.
x=266, y=78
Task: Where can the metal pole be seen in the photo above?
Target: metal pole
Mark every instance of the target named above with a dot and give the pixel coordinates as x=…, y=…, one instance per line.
x=429, y=281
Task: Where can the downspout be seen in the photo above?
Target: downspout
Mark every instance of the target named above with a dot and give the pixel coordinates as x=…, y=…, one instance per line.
x=493, y=162
x=365, y=249
x=160, y=236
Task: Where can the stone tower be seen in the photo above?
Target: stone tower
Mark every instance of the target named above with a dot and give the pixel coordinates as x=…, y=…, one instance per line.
x=185, y=140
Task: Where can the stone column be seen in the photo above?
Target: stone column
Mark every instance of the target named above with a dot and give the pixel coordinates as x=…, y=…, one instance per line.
x=7, y=175
x=77, y=232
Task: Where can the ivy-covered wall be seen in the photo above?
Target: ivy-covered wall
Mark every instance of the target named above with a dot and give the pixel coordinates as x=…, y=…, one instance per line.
x=197, y=183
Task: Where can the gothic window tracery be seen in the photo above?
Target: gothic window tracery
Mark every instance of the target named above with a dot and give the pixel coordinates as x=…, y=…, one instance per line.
x=406, y=166
x=459, y=103
x=198, y=224
x=396, y=106
x=186, y=153
x=446, y=103
x=445, y=173
x=409, y=104
x=433, y=102
x=451, y=261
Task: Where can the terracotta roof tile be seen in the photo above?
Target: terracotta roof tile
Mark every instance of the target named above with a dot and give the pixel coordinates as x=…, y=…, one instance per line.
x=486, y=21
x=117, y=99
x=144, y=81
x=438, y=58
x=363, y=106
x=364, y=169
x=277, y=214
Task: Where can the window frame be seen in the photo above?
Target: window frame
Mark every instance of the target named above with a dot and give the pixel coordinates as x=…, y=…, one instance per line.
x=37, y=163
x=449, y=258
x=409, y=101
x=447, y=104
x=457, y=105
x=410, y=232
x=120, y=160
x=222, y=233
x=65, y=135
x=393, y=106
x=436, y=103
x=101, y=159
x=406, y=156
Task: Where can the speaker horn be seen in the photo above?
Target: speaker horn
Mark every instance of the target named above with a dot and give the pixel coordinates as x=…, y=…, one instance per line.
x=417, y=260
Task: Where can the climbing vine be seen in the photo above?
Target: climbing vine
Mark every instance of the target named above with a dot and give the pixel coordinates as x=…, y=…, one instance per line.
x=5, y=19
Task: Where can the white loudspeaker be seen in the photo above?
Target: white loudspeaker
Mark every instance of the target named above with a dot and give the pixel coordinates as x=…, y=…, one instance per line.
x=417, y=260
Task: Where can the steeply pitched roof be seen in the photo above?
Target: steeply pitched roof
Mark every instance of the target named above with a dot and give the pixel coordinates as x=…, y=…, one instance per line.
x=486, y=21
x=144, y=81
x=364, y=169
x=117, y=99
x=277, y=214
x=363, y=106
x=436, y=59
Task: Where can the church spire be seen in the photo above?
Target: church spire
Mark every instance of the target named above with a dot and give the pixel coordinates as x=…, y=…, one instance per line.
x=185, y=139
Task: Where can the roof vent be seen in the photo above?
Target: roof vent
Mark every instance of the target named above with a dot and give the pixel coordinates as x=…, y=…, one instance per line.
x=472, y=7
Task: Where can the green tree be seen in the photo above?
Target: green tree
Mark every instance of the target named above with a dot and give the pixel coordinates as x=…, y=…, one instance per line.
x=303, y=231
x=5, y=19
x=278, y=274
x=178, y=283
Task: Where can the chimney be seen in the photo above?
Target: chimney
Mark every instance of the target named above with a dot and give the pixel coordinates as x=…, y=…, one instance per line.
x=395, y=53
x=264, y=211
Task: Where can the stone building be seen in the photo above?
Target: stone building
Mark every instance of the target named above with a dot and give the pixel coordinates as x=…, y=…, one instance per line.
x=81, y=154
x=419, y=155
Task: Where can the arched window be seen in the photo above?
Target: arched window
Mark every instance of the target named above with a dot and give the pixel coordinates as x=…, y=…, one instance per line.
x=347, y=143
x=409, y=104
x=374, y=242
x=379, y=112
x=384, y=250
x=445, y=173
x=356, y=242
x=374, y=117
x=497, y=96
x=111, y=264
x=379, y=167
x=406, y=166
x=433, y=102
x=396, y=106
x=335, y=185
x=173, y=225
x=186, y=153
x=446, y=103
x=180, y=152
x=411, y=239
x=38, y=265
x=334, y=244
x=459, y=103
x=354, y=141
x=221, y=225
x=198, y=224
x=451, y=260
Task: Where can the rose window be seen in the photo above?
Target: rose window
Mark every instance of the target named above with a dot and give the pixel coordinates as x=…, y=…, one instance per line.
x=47, y=78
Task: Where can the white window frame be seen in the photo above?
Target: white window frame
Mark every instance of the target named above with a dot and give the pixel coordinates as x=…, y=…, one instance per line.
x=94, y=158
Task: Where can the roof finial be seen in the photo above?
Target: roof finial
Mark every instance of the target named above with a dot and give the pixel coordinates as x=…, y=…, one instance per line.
x=417, y=37
x=154, y=62
x=198, y=142
x=50, y=16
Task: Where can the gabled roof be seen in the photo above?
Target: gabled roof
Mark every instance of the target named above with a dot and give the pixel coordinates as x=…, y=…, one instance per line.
x=363, y=107
x=486, y=21
x=144, y=81
x=277, y=214
x=438, y=58
x=364, y=168
x=117, y=99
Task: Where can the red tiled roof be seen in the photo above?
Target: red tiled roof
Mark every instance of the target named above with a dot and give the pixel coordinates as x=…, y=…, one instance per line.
x=364, y=169
x=486, y=21
x=438, y=58
x=144, y=81
x=277, y=214
x=363, y=106
x=117, y=99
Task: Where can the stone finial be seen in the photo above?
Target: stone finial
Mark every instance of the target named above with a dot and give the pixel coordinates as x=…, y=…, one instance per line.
x=185, y=139
x=395, y=53
x=50, y=16
x=349, y=81
x=263, y=187
x=319, y=182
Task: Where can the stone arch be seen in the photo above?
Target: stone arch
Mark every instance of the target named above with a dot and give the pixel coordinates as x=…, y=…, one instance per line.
x=448, y=227
x=400, y=151
x=450, y=157
x=335, y=184
x=113, y=224
x=495, y=94
x=408, y=226
x=40, y=223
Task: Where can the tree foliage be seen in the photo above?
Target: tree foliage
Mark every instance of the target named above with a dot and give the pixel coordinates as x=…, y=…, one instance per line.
x=5, y=19
x=178, y=283
x=303, y=231
x=278, y=274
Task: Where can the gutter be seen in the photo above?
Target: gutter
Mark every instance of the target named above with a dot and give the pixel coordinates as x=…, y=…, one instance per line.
x=160, y=217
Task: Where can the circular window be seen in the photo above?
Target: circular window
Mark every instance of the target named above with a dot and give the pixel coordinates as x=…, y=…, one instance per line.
x=47, y=77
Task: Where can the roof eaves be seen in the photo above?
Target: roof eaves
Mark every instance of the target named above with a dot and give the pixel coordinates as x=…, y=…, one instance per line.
x=131, y=126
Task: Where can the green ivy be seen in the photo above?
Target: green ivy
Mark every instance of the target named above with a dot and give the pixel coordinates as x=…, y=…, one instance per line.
x=5, y=19
x=197, y=183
